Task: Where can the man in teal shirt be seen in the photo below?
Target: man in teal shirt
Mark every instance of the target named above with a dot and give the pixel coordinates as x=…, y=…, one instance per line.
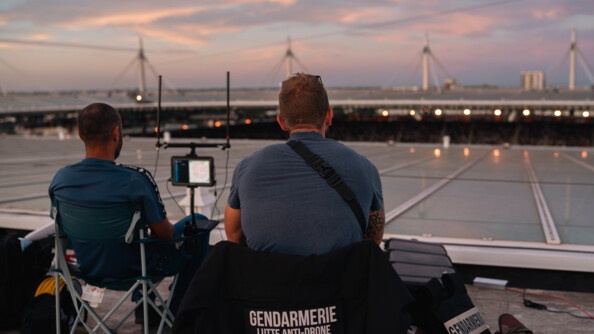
x=98, y=181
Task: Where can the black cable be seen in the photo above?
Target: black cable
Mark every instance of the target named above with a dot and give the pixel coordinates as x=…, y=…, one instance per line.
x=570, y=313
x=173, y=197
x=224, y=184
x=543, y=307
x=156, y=164
x=158, y=145
x=531, y=304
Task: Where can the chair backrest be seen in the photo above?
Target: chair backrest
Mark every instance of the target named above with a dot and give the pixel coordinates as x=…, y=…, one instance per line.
x=95, y=224
x=351, y=290
x=100, y=238
x=418, y=262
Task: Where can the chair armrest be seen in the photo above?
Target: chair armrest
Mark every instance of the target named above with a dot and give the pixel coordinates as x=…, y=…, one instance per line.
x=130, y=234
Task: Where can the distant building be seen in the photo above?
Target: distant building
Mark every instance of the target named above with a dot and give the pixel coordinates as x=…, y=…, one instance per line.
x=449, y=84
x=532, y=80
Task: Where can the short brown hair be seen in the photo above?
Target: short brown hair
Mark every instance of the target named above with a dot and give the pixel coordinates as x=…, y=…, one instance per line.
x=96, y=122
x=303, y=100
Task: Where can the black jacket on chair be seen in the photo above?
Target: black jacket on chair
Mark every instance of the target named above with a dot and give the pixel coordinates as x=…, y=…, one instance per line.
x=350, y=290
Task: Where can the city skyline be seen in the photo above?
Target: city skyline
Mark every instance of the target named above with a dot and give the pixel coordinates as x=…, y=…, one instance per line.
x=65, y=45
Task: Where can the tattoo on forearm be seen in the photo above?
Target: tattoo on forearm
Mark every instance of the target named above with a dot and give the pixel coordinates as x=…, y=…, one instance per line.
x=375, y=226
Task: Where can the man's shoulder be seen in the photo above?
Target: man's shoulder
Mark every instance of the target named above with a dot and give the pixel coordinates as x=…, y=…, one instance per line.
x=66, y=171
x=132, y=168
x=137, y=171
x=340, y=149
x=269, y=150
x=341, y=152
x=273, y=147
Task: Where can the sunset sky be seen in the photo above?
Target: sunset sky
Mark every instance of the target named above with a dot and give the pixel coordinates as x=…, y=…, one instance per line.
x=89, y=44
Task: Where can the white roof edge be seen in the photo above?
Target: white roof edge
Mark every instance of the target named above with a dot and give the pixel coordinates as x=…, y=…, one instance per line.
x=517, y=254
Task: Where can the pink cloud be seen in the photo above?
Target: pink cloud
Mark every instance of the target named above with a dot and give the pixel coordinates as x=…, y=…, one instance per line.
x=457, y=25
x=551, y=13
x=365, y=15
x=137, y=18
x=280, y=2
x=189, y=34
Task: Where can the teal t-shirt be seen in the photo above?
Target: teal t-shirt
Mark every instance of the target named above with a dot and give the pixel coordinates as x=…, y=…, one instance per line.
x=104, y=183
x=100, y=184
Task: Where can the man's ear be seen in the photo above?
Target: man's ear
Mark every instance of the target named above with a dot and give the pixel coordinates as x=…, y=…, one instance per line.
x=115, y=133
x=328, y=118
x=281, y=123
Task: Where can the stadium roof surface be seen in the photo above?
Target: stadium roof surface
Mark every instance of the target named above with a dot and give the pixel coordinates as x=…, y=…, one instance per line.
x=373, y=97
x=528, y=207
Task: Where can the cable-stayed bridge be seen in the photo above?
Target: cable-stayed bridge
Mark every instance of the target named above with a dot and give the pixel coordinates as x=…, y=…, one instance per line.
x=427, y=98
x=426, y=60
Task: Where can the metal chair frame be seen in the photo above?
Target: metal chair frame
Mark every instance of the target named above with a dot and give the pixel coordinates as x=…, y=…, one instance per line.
x=61, y=270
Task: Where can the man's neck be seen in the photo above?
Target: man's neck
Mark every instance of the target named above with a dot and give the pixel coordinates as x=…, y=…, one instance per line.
x=305, y=129
x=99, y=154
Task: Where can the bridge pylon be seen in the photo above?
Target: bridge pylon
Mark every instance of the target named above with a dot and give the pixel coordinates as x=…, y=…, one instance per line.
x=428, y=71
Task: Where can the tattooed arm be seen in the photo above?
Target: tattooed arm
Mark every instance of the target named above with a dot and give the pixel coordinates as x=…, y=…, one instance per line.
x=375, y=226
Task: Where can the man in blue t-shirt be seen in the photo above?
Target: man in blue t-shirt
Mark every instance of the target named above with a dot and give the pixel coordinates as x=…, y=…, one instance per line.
x=99, y=182
x=278, y=203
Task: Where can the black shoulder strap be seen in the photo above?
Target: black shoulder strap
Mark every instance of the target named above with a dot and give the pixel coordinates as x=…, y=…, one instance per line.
x=333, y=179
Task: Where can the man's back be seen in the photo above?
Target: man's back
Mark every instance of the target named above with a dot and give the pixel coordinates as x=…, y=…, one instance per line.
x=97, y=183
x=287, y=207
x=279, y=203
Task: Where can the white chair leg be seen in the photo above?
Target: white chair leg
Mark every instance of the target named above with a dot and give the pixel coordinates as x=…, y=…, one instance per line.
x=57, y=299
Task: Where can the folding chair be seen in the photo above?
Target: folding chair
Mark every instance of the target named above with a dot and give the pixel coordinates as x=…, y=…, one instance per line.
x=73, y=225
x=441, y=300
x=353, y=290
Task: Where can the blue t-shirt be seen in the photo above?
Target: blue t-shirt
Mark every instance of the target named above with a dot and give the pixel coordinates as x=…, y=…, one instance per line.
x=287, y=207
x=101, y=183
